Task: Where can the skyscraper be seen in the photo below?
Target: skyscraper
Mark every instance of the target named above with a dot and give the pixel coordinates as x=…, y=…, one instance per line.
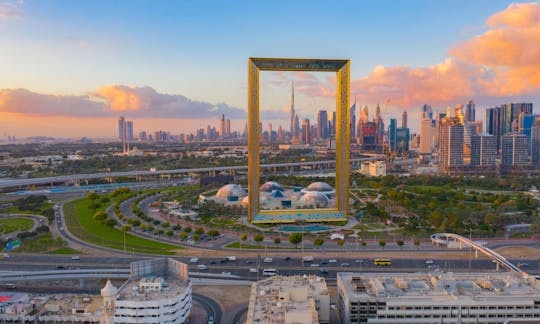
x=129, y=130
x=222, y=126
x=353, y=120
x=426, y=136
x=470, y=111
x=535, y=143
x=404, y=119
x=392, y=134
x=306, y=131
x=514, y=150
x=450, y=145
x=483, y=151
x=121, y=128
x=322, y=124
x=293, y=112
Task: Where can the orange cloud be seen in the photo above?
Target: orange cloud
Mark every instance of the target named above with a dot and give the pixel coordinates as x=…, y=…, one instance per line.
x=123, y=98
x=517, y=15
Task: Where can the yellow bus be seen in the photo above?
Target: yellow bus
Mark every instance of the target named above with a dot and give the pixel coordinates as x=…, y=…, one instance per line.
x=382, y=262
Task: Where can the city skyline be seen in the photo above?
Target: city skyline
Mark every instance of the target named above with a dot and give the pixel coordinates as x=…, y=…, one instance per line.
x=169, y=76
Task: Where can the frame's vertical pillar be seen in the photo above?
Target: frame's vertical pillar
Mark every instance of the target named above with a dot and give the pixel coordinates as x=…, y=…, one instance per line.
x=343, y=139
x=253, y=140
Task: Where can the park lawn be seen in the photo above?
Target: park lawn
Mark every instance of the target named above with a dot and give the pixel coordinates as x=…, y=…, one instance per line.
x=238, y=245
x=65, y=250
x=9, y=225
x=39, y=244
x=80, y=222
x=16, y=210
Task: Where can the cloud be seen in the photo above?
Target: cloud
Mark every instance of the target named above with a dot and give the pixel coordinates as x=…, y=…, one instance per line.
x=113, y=100
x=500, y=64
x=10, y=10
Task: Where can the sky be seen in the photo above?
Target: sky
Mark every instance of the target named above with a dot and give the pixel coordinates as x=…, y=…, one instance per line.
x=70, y=68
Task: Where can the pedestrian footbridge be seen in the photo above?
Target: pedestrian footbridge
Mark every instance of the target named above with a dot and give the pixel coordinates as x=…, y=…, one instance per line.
x=452, y=240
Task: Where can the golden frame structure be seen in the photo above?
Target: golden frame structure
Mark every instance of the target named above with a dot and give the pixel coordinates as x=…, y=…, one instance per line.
x=342, y=70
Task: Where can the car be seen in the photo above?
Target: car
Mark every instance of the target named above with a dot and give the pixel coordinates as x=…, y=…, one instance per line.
x=314, y=265
x=333, y=306
x=61, y=268
x=251, y=261
x=429, y=261
x=332, y=261
x=226, y=273
x=287, y=259
x=211, y=320
x=222, y=260
x=194, y=260
x=213, y=262
x=324, y=270
x=522, y=264
x=359, y=261
x=324, y=262
x=345, y=264
x=253, y=270
x=432, y=266
x=75, y=257
x=267, y=260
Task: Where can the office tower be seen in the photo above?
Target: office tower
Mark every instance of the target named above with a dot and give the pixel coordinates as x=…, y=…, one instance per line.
x=368, y=136
x=296, y=127
x=306, y=131
x=436, y=297
x=129, y=130
x=470, y=111
x=228, y=128
x=142, y=136
x=483, y=150
x=514, y=150
x=404, y=119
x=426, y=136
x=535, y=143
x=353, y=120
x=402, y=139
x=450, y=145
x=121, y=128
x=222, y=127
x=427, y=111
x=322, y=124
x=392, y=134
x=333, y=124
x=293, y=113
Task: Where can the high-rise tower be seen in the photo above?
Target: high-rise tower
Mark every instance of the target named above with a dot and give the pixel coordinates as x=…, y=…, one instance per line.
x=293, y=113
x=404, y=119
x=353, y=120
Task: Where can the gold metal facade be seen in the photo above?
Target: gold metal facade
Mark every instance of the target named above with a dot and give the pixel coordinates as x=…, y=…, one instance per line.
x=342, y=70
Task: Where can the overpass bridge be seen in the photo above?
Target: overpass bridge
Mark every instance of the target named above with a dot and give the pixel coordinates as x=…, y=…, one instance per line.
x=451, y=239
x=137, y=174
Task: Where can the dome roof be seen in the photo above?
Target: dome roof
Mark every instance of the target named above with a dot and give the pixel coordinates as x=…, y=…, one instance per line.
x=314, y=198
x=245, y=201
x=319, y=186
x=109, y=290
x=271, y=186
x=231, y=190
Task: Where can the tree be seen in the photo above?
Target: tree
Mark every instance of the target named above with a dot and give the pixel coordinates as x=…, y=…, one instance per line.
x=160, y=231
x=199, y=231
x=296, y=238
x=195, y=238
x=382, y=243
x=318, y=242
x=213, y=233
x=170, y=233
x=165, y=225
x=92, y=196
x=243, y=237
x=277, y=241
x=340, y=243
x=400, y=243
x=363, y=243
x=126, y=228
x=183, y=235
x=258, y=238
x=187, y=229
x=417, y=243
x=111, y=222
x=100, y=216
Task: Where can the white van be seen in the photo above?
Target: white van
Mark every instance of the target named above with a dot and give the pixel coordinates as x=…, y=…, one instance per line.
x=76, y=257
x=202, y=267
x=253, y=270
x=267, y=260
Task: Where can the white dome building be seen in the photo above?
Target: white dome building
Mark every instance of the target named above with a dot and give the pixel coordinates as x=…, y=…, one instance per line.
x=271, y=186
x=321, y=187
x=231, y=190
x=313, y=198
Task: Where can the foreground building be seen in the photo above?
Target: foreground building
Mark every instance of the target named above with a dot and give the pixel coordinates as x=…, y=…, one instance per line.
x=295, y=299
x=388, y=298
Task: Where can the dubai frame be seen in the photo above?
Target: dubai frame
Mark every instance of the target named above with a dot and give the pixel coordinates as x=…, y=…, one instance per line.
x=340, y=211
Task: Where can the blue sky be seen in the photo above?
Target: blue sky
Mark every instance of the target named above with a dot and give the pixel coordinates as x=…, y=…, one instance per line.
x=199, y=49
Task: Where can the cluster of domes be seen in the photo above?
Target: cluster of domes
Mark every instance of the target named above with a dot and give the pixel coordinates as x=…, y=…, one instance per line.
x=319, y=186
x=231, y=190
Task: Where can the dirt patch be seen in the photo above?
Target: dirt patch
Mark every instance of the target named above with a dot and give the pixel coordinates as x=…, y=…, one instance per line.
x=228, y=297
x=515, y=252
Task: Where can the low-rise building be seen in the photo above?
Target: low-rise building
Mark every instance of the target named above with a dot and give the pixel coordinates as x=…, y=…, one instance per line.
x=294, y=299
x=388, y=298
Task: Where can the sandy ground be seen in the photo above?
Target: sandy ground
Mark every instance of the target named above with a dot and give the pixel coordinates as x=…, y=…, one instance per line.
x=519, y=252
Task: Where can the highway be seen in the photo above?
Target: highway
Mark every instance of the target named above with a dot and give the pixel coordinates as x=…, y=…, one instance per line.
x=13, y=183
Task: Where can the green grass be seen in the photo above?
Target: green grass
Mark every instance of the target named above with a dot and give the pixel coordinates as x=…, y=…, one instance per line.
x=39, y=211
x=9, y=225
x=65, y=250
x=80, y=222
x=40, y=244
x=238, y=245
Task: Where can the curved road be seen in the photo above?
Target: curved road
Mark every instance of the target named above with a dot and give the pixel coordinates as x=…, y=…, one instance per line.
x=211, y=307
